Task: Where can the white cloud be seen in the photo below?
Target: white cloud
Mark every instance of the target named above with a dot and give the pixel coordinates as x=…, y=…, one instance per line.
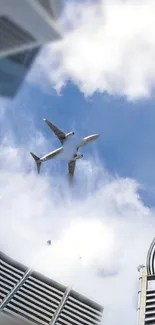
x=109, y=46
x=3, y=105
x=97, y=241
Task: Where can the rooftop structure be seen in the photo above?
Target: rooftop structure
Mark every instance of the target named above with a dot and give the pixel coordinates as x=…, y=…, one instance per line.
x=27, y=297
x=146, y=301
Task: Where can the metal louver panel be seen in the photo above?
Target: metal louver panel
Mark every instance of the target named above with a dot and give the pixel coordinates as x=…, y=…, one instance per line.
x=150, y=307
x=36, y=301
x=12, y=35
x=79, y=312
x=9, y=278
x=30, y=298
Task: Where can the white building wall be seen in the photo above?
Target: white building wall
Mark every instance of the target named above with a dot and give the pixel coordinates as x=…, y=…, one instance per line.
x=142, y=295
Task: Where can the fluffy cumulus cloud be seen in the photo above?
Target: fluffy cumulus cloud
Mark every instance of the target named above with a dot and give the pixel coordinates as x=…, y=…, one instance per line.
x=109, y=45
x=97, y=240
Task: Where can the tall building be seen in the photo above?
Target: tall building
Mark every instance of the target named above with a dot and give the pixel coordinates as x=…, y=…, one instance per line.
x=27, y=297
x=13, y=70
x=25, y=26
x=146, y=301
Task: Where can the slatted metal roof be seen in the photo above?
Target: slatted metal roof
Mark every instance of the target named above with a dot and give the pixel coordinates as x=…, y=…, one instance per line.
x=35, y=299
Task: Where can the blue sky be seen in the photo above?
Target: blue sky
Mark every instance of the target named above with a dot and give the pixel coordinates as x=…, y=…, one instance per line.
x=97, y=80
x=126, y=145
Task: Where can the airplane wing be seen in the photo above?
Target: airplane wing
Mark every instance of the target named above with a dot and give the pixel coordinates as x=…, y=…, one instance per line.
x=71, y=168
x=61, y=135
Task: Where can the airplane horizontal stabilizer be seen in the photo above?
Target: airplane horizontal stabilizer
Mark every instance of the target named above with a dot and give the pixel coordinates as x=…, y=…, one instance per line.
x=37, y=160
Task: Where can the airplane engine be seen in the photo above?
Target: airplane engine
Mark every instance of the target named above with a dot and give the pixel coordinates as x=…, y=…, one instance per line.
x=70, y=134
x=78, y=157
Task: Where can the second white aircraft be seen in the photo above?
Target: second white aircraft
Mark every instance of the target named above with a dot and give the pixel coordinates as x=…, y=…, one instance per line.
x=63, y=137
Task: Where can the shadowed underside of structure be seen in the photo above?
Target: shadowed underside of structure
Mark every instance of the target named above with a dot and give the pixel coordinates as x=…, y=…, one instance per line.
x=25, y=27
x=13, y=71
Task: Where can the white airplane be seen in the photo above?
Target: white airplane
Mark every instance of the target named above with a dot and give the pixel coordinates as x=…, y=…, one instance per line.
x=63, y=137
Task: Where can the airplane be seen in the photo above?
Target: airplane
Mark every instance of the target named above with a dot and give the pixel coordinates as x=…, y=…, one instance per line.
x=63, y=137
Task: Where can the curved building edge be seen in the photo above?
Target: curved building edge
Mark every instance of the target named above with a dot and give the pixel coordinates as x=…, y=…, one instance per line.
x=150, y=261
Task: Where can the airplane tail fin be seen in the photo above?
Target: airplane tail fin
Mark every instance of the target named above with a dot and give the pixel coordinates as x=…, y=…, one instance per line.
x=37, y=160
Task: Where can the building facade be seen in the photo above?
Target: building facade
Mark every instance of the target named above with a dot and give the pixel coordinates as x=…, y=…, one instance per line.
x=146, y=299
x=27, y=297
x=13, y=71
x=26, y=24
